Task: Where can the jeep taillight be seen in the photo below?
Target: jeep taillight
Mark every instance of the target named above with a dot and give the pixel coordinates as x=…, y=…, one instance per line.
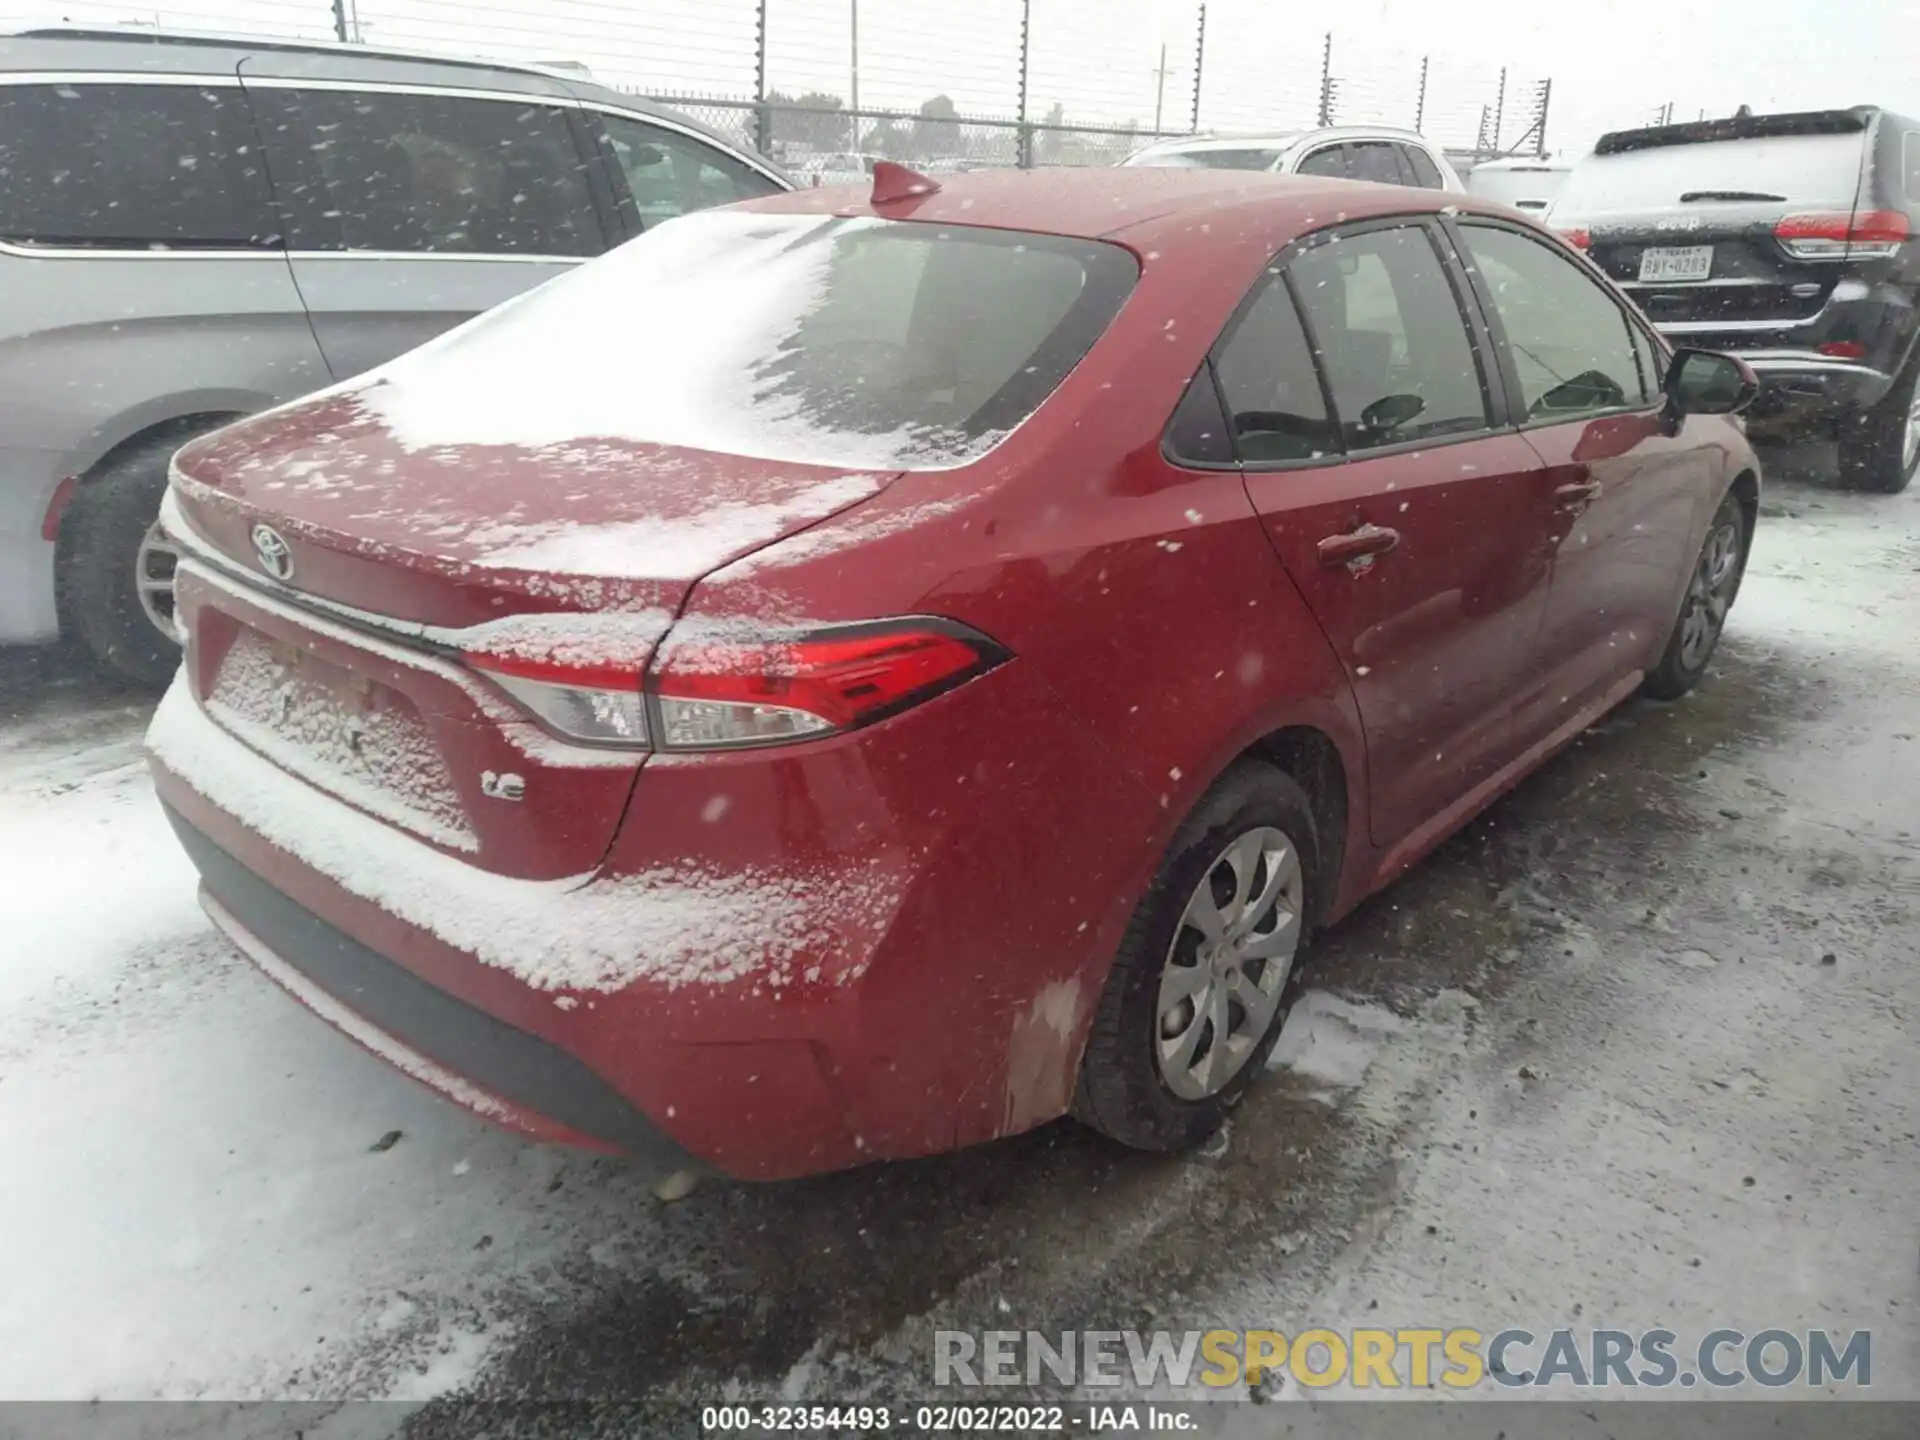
x=1843, y=235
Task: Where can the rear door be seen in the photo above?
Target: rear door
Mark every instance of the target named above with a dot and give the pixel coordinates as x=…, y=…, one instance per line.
x=1413, y=525
x=1701, y=233
x=410, y=210
x=1626, y=496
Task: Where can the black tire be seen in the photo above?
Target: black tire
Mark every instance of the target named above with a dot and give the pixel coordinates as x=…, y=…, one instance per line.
x=1688, y=653
x=1121, y=1090
x=107, y=521
x=1873, y=446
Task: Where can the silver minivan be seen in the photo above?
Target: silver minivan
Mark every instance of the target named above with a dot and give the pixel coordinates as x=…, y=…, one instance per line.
x=192, y=230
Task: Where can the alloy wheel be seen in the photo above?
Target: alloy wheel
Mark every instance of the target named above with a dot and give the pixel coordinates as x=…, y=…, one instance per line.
x=153, y=567
x=1710, y=594
x=1910, y=437
x=1228, y=963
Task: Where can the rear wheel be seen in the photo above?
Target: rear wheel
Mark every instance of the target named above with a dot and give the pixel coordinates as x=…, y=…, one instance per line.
x=1880, y=450
x=1703, y=614
x=118, y=571
x=1199, y=990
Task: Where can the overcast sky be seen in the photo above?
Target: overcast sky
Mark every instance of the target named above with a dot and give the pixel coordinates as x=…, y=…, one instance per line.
x=1612, y=62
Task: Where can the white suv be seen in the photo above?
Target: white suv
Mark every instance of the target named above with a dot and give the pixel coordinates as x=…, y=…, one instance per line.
x=1346, y=152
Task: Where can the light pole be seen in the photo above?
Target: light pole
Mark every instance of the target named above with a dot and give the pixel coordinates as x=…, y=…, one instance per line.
x=854, y=7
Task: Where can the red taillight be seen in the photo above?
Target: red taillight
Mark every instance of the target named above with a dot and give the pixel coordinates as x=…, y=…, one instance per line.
x=713, y=691
x=1844, y=349
x=1840, y=235
x=1578, y=237
x=729, y=692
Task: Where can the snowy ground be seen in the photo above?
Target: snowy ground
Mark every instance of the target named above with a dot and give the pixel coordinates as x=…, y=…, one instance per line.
x=1588, y=1065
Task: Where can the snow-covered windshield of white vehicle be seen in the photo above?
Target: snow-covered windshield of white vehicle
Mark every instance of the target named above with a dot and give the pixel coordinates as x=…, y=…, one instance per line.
x=867, y=343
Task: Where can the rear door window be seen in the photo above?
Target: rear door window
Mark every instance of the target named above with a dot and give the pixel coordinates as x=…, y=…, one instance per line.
x=132, y=167
x=1328, y=160
x=1275, y=406
x=1374, y=160
x=1571, y=342
x=671, y=174
x=1391, y=338
x=377, y=170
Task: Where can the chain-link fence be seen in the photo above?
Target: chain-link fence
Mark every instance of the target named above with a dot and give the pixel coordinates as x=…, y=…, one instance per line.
x=823, y=84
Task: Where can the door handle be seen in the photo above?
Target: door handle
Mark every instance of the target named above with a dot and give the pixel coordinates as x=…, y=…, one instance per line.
x=1358, y=549
x=1578, y=495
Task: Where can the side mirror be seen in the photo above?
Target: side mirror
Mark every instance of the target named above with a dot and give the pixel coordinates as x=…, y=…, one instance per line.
x=645, y=155
x=1701, y=382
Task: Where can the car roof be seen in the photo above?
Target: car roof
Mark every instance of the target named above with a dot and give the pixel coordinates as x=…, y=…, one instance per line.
x=1279, y=139
x=1135, y=204
x=108, y=50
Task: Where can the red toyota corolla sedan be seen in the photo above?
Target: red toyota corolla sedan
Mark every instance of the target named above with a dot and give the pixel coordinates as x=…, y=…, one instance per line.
x=848, y=677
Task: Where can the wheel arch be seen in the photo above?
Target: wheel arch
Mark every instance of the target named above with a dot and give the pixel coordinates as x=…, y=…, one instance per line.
x=1311, y=759
x=176, y=428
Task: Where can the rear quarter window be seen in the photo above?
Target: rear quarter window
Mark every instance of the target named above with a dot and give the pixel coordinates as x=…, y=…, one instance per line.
x=132, y=167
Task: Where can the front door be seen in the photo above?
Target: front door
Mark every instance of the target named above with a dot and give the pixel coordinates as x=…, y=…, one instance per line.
x=1415, y=530
x=1626, y=495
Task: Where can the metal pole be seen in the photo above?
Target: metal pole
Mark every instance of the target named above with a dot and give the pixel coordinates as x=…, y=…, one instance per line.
x=855, y=117
x=1420, y=107
x=1326, y=80
x=340, y=21
x=1499, y=109
x=762, y=118
x=1160, y=88
x=1023, y=137
x=1199, y=64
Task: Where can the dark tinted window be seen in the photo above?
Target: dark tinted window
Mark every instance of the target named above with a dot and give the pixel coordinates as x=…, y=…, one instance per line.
x=1425, y=173
x=1272, y=390
x=671, y=174
x=1328, y=160
x=1374, y=160
x=131, y=166
x=1570, y=340
x=1199, y=430
x=1391, y=338
x=374, y=170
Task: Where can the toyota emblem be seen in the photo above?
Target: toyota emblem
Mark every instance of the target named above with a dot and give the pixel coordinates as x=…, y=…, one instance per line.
x=276, y=558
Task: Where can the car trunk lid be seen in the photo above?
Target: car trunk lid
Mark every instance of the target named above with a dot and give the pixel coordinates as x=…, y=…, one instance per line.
x=335, y=578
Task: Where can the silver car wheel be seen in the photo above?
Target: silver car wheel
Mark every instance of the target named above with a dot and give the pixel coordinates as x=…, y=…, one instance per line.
x=1709, y=595
x=153, y=568
x=1228, y=963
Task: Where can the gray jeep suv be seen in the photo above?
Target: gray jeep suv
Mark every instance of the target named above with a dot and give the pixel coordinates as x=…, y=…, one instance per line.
x=192, y=230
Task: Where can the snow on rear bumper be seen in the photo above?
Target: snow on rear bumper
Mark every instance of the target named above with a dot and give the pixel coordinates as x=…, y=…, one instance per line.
x=666, y=985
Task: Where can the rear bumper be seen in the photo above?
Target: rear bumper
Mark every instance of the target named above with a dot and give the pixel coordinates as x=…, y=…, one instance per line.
x=1805, y=382
x=472, y=1058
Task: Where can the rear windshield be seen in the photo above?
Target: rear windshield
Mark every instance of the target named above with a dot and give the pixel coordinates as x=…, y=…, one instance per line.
x=867, y=343
x=1795, y=169
x=1210, y=159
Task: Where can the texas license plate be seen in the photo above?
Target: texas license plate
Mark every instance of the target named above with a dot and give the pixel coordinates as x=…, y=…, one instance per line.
x=1676, y=262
